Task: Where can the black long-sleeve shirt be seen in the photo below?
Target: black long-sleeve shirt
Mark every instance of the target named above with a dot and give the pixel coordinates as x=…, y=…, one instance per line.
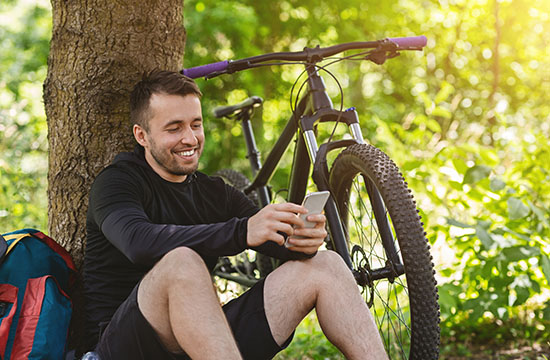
x=135, y=217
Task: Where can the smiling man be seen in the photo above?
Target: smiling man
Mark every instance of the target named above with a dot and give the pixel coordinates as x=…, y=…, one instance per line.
x=175, y=138
x=155, y=228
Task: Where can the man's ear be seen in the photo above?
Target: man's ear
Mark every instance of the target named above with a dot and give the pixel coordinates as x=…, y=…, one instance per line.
x=139, y=134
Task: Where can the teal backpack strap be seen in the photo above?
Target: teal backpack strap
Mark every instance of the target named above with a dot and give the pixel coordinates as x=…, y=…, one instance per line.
x=3, y=248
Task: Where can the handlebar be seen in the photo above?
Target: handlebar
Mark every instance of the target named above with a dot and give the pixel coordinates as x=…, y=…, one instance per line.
x=416, y=42
x=310, y=55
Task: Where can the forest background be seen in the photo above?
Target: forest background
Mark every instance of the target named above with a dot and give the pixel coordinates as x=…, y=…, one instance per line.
x=467, y=121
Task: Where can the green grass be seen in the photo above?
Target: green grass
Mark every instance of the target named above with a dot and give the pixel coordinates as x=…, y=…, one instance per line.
x=310, y=343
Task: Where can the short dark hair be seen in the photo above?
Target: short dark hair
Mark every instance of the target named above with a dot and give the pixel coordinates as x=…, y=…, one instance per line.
x=158, y=82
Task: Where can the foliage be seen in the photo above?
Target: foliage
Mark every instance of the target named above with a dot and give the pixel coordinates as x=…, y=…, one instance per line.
x=309, y=343
x=25, y=31
x=467, y=120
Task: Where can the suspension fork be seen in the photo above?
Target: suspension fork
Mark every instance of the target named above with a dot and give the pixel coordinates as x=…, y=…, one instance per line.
x=394, y=267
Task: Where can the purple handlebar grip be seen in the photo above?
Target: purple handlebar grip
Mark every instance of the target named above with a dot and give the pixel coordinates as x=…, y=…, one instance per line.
x=203, y=70
x=413, y=41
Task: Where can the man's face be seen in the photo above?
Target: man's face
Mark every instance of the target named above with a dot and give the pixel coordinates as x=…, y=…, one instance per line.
x=175, y=139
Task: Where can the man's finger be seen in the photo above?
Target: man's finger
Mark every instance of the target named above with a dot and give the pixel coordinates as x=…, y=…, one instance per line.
x=317, y=218
x=298, y=242
x=305, y=250
x=290, y=207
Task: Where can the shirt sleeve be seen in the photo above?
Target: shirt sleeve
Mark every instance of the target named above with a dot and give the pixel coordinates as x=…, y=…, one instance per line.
x=116, y=204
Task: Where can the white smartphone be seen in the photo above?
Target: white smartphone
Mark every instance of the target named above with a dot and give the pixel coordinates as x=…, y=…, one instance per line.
x=314, y=203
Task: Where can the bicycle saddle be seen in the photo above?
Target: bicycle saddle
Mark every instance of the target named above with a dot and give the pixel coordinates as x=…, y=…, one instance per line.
x=251, y=102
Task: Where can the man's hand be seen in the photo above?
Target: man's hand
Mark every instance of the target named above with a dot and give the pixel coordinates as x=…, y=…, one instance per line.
x=274, y=218
x=308, y=240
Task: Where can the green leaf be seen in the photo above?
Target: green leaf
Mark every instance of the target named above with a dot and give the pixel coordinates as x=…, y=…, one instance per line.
x=434, y=125
x=545, y=265
x=446, y=90
x=442, y=112
x=485, y=223
x=455, y=185
x=447, y=299
x=411, y=165
x=522, y=295
x=517, y=209
x=485, y=237
x=500, y=282
x=497, y=184
x=507, y=230
x=476, y=195
x=460, y=165
x=517, y=253
x=459, y=224
x=427, y=101
x=476, y=173
x=540, y=214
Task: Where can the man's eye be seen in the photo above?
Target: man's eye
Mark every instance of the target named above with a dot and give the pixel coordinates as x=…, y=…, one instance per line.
x=172, y=130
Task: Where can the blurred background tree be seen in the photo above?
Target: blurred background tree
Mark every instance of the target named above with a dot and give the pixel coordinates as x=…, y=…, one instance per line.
x=25, y=31
x=467, y=120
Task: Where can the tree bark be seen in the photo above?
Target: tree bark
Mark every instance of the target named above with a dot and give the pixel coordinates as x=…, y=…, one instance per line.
x=99, y=49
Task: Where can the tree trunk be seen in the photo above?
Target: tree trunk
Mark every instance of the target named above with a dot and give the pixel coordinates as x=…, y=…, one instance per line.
x=99, y=49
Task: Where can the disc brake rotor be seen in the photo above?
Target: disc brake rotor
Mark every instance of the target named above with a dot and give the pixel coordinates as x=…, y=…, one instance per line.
x=363, y=270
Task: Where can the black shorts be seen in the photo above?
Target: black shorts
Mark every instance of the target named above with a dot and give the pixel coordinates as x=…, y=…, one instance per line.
x=130, y=336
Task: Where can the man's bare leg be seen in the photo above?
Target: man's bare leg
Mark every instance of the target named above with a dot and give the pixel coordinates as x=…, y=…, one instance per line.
x=326, y=284
x=179, y=301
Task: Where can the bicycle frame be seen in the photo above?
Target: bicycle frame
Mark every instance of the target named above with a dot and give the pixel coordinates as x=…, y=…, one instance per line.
x=316, y=106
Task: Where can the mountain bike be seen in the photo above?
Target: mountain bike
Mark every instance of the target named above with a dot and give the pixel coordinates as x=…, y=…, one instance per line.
x=371, y=215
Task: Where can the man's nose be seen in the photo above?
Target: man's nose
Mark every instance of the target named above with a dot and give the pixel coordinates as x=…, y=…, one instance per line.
x=189, y=137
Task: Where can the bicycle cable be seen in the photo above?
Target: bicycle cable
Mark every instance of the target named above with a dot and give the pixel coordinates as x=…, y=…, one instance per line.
x=300, y=90
x=341, y=91
x=361, y=56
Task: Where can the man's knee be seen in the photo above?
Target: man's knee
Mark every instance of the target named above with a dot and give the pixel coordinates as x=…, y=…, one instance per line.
x=325, y=265
x=183, y=255
x=181, y=263
x=329, y=260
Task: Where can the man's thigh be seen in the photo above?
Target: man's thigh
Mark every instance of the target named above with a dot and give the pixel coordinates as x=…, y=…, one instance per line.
x=130, y=336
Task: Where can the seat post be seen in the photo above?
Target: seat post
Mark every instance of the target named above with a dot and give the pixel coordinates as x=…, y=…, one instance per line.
x=253, y=154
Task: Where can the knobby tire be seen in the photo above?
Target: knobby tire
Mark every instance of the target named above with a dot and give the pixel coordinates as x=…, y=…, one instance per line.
x=405, y=308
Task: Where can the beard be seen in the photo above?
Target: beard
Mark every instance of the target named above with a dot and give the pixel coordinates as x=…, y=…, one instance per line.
x=168, y=162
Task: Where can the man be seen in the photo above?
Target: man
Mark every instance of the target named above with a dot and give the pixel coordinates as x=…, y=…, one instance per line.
x=155, y=228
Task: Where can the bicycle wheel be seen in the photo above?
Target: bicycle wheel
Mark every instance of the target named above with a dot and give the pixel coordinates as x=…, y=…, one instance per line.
x=264, y=264
x=405, y=308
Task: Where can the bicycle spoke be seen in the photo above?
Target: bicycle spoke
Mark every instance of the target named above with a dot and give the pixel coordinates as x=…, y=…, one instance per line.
x=388, y=307
x=388, y=323
x=392, y=320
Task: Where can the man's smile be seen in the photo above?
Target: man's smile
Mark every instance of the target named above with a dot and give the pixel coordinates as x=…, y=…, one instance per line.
x=186, y=153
